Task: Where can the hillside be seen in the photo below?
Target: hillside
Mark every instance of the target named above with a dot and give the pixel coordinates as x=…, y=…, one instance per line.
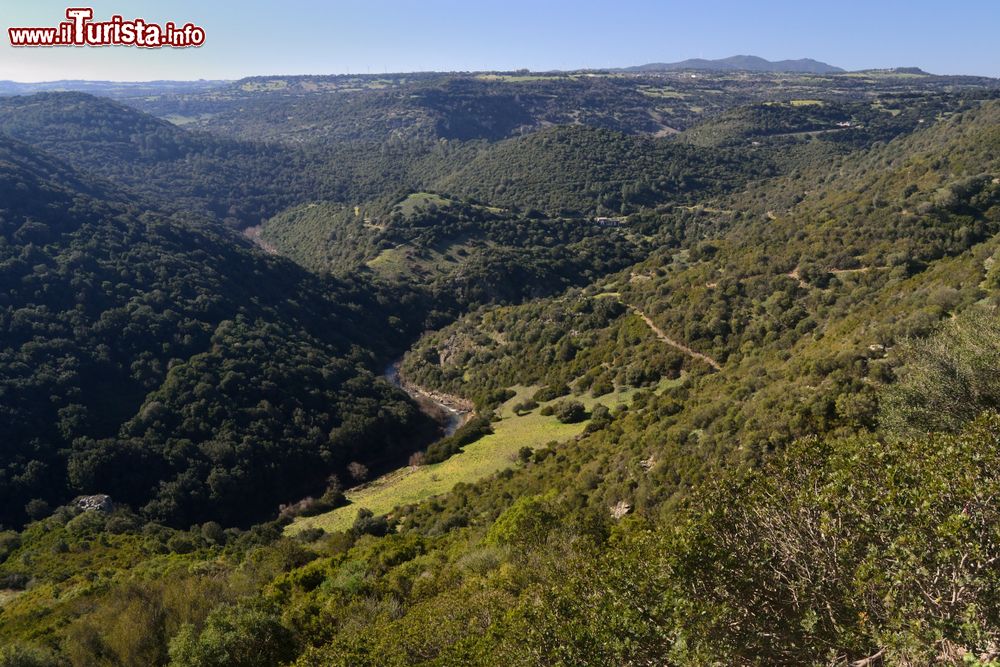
x=722, y=397
x=130, y=337
x=457, y=253
x=241, y=183
x=852, y=252
x=172, y=168
x=492, y=106
x=579, y=170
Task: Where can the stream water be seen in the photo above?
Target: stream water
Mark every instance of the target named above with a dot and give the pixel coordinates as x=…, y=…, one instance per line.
x=453, y=418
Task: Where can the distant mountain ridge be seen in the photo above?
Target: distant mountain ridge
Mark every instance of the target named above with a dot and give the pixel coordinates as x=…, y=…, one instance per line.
x=742, y=63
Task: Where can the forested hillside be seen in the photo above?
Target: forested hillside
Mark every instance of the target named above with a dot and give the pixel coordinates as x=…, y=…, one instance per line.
x=160, y=346
x=570, y=170
x=456, y=252
x=723, y=396
x=239, y=182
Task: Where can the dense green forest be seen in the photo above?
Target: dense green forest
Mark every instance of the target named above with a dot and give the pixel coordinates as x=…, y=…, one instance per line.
x=165, y=347
x=736, y=334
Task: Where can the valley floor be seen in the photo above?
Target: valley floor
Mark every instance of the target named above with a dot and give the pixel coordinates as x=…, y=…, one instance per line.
x=486, y=456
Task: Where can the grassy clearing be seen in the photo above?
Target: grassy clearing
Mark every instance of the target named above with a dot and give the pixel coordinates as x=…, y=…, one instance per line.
x=480, y=459
x=663, y=93
x=421, y=200
x=405, y=260
x=180, y=119
x=264, y=86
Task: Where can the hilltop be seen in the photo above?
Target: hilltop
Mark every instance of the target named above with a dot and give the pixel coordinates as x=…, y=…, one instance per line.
x=742, y=63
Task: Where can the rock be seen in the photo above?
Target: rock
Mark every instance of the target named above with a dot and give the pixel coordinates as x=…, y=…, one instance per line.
x=620, y=509
x=100, y=502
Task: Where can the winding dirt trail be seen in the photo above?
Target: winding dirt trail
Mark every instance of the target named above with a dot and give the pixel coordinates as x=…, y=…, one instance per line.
x=673, y=343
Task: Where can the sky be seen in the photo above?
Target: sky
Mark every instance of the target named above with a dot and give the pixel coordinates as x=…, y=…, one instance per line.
x=261, y=37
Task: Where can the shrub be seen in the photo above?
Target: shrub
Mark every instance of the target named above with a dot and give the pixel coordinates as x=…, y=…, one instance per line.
x=948, y=379
x=27, y=656
x=368, y=524
x=357, y=471
x=525, y=522
x=570, y=412
x=467, y=434
x=9, y=543
x=244, y=635
x=551, y=392
x=525, y=406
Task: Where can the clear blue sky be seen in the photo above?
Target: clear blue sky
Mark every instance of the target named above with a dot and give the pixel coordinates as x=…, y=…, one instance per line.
x=336, y=36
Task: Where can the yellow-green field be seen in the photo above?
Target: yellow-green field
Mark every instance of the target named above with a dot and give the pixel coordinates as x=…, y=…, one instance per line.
x=480, y=459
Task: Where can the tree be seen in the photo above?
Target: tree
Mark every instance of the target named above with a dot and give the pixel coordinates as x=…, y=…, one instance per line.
x=357, y=471
x=368, y=524
x=570, y=412
x=37, y=509
x=525, y=522
x=242, y=635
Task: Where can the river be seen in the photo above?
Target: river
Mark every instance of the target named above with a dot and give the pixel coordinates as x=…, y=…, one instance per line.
x=451, y=417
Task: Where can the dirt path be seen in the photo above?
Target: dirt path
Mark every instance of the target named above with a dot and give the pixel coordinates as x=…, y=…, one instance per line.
x=673, y=343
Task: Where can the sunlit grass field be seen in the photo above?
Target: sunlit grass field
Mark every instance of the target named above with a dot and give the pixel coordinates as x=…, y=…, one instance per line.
x=480, y=459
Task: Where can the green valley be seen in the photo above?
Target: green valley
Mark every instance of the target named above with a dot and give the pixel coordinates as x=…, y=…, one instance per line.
x=681, y=364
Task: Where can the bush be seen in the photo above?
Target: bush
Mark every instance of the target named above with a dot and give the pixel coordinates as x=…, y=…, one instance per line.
x=602, y=386
x=570, y=412
x=467, y=434
x=27, y=656
x=37, y=509
x=947, y=379
x=525, y=406
x=181, y=543
x=525, y=522
x=245, y=635
x=551, y=392
x=599, y=418
x=369, y=524
x=782, y=563
x=213, y=533
x=310, y=534
x=9, y=543
x=357, y=471
x=16, y=581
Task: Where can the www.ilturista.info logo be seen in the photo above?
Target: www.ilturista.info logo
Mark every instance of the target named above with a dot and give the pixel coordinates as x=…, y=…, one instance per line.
x=81, y=30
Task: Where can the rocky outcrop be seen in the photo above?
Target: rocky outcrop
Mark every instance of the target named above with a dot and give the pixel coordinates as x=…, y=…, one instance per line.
x=100, y=502
x=620, y=509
